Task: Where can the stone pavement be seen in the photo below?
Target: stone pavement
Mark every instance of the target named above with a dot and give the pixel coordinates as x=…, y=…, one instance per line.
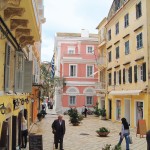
x=84, y=137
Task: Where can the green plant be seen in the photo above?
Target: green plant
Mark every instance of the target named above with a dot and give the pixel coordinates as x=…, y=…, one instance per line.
x=117, y=147
x=96, y=110
x=107, y=147
x=102, y=129
x=103, y=112
x=75, y=117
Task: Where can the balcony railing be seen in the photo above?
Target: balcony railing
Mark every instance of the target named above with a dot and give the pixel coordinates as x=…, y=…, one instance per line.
x=100, y=86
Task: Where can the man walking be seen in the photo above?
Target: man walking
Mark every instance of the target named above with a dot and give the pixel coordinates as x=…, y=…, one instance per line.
x=59, y=128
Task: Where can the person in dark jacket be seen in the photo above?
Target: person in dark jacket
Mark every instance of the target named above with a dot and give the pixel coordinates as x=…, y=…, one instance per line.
x=125, y=132
x=85, y=111
x=59, y=128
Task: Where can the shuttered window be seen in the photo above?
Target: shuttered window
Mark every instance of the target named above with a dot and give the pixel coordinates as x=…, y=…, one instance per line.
x=115, y=78
x=109, y=79
x=130, y=75
x=124, y=76
x=7, y=68
x=144, y=71
x=135, y=73
x=119, y=76
x=27, y=86
x=19, y=72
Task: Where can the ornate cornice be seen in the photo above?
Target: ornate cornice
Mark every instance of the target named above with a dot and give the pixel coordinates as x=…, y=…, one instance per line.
x=20, y=32
x=14, y=23
x=25, y=40
x=10, y=12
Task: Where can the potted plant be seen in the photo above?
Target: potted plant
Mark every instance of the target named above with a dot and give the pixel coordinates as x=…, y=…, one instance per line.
x=103, y=113
x=103, y=132
x=75, y=117
x=96, y=110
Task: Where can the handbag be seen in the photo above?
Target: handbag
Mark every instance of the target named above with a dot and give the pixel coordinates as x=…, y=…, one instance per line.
x=130, y=139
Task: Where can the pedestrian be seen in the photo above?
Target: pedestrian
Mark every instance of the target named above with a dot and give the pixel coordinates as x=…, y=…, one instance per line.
x=59, y=128
x=85, y=111
x=124, y=133
x=24, y=132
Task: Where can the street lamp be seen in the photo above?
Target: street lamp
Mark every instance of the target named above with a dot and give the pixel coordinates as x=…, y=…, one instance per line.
x=2, y=108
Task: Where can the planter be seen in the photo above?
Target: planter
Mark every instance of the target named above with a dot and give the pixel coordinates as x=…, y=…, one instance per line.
x=102, y=134
x=75, y=124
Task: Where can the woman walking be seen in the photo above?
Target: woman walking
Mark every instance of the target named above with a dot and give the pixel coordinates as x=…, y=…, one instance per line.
x=124, y=133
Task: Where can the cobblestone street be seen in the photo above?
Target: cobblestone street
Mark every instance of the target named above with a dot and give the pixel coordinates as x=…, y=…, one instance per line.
x=84, y=137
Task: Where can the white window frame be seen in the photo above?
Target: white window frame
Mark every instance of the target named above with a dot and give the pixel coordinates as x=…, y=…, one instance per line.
x=89, y=51
x=91, y=100
x=127, y=75
x=140, y=73
x=117, y=77
x=70, y=103
x=75, y=70
x=71, y=50
x=87, y=73
x=139, y=42
x=127, y=49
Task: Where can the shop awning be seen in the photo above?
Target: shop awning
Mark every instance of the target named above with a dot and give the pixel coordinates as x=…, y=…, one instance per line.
x=125, y=92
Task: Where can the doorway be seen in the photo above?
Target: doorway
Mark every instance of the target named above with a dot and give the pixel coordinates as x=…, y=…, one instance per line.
x=139, y=111
x=110, y=108
x=127, y=110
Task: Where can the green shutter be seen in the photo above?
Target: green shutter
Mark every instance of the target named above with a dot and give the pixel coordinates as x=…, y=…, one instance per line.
x=130, y=75
x=7, y=68
x=119, y=76
x=28, y=65
x=135, y=73
x=115, y=78
x=124, y=76
x=19, y=72
x=144, y=71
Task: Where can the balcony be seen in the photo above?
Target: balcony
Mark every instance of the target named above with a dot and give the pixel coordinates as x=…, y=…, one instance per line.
x=100, y=87
x=101, y=63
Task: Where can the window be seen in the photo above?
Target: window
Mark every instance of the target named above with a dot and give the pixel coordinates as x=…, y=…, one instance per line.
x=89, y=49
x=138, y=10
x=71, y=51
x=117, y=4
x=72, y=70
x=109, y=56
x=72, y=100
x=89, y=71
x=109, y=35
x=126, y=20
x=109, y=79
x=141, y=72
x=139, y=39
x=89, y=100
x=117, y=78
x=117, y=28
x=117, y=52
x=126, y=47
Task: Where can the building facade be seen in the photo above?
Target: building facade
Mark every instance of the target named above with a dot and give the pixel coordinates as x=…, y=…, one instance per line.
x=76, y=58
x=127, y=47
x=20, y=31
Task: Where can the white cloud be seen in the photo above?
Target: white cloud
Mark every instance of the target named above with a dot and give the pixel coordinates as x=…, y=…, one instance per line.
x=70, y=16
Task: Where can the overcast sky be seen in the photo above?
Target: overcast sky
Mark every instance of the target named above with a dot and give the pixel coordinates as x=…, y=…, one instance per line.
x=70, y=16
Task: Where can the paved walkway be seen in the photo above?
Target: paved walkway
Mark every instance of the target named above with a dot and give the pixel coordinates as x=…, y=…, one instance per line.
x=84, y=137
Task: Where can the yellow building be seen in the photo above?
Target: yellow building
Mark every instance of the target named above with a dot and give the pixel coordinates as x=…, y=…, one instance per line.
x=127, y=55
x=20, y=40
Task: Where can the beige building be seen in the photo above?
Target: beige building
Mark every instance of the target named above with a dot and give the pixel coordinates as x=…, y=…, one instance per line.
x=127, y=54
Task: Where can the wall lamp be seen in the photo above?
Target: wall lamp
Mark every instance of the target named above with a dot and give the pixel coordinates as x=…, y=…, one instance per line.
x=16, y=103
x=26, y=100
x=2, y=108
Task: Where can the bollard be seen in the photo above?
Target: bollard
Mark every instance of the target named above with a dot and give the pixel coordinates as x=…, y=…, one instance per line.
x=148, y=140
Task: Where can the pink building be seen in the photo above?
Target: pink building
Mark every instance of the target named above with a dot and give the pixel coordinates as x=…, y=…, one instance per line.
x=75, y=60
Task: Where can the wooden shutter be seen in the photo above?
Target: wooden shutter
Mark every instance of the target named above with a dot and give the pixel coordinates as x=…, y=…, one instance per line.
x=14, y=127
x=4, y=136
x=115, y=78
x=135, y=73
x=19, y=128
x=119, y=76
x=124, y=76
x=130, y=75
x=144, y=71
x=27, y=86
x=19, y=71
x=7, y=68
